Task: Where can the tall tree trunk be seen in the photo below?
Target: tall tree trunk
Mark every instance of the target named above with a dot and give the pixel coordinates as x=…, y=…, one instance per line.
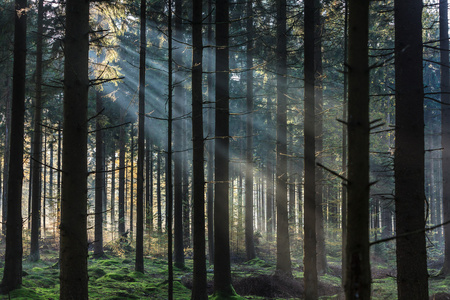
x=158, y=192
x=6, y=164
x=99, y=180
x=357, y=269
x=169, y=185
x=139, y=262
x=199, y=285
x=12, y=273
x=412, y=276
x=283, y=247
x=249, y=239
x=318, y=89
x=122, y=176
x=113, y=190
x=37, y=145
x=210, y=144
x=131, y=210
x=178, y=135
x=74, y=246
x=445, y=127
x=310, y=258
x=222, y=268
x=149, y=185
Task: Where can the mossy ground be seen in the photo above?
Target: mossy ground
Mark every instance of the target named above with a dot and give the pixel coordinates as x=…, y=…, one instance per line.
x=113, y=277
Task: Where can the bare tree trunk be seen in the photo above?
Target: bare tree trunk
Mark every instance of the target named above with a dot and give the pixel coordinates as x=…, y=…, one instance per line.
x=310, y=246
x=37, y=146
x=122, y=176
x=249, y=239
x=412, y=275
x=12, y=273
x=199, y=285
x=357, y=269
x=73, y=252
x=139, y=262
x=99, y=181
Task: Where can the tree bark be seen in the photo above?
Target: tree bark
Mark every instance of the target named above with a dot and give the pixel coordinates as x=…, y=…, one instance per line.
x=283, y=247
x=122, y=176
x=73, y=228
x=37, y=145
x=249, y=239
x=99, y=181
x=139, y=262
x=357, y=281
x=310, y=246
x=412, y=276
x=12, y=273
x=199, y=285
x=222, y=268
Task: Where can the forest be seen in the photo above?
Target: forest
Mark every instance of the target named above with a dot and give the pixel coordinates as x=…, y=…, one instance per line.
x=225, y=149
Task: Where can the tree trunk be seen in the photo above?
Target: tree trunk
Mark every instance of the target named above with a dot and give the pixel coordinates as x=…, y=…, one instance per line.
x=283, y=247
x=122, y=176
x=412, y=276
x=37, y=145
x=139, y=262
x=113, y=190
x=74, y=246
x=12, y=273
x=178, y=135
x=318, y=89
x=210, y=144
x=357, y=269
x=310, y=258
x=158, y=192
x=249, y=242
x=131, y=210
x=99, y=181
x=222, y=268
x=199, y=285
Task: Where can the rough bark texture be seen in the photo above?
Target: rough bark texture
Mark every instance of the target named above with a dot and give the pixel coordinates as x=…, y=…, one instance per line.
x=357, y=281
x=283, y=247
x=310, y=257
x=73, y=229
x=199, y=274
x=249, y=242
x=222, y=268
x=139, y=262
x=37, y=145
x=412, y=276
x=445, y=127
x=12, y=273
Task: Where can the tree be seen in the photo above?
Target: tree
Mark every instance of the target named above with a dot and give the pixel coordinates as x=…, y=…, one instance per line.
x=37, y=145
x=199, y=275
x=73, y=228
x=249, y=242
x=412, y=276
x=139, y=263
x=12, y=272
x=445, y=127
x=283, y=247
x=310, y=259
x=177, y=163
x=357, y=281
x=222, y=268
x=121, y=223
x=99, y=179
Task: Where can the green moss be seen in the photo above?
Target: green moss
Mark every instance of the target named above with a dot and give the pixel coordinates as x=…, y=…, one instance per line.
x=96, y=273
x=136, y=274
x=24, y=293
x=116, y=277
x=108, y=262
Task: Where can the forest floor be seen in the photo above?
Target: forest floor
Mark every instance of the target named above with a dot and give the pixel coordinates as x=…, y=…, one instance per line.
x=113, y=277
